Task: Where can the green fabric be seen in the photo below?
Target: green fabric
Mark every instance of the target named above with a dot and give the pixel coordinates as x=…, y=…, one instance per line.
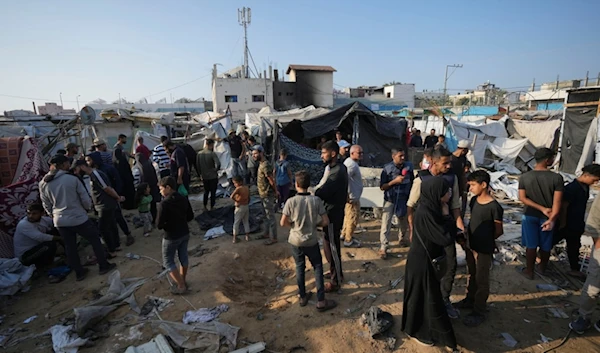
x=144, y=205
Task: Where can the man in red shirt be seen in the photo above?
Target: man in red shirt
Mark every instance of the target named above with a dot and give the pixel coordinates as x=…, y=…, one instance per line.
x=141, y=148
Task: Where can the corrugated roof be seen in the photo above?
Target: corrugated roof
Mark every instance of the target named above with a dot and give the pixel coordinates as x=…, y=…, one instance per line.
x=310, y=68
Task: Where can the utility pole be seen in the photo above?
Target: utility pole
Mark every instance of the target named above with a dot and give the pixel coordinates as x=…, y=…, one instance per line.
x=455, y=66
x=244, y=19
x=77, y=98
x=61, y=103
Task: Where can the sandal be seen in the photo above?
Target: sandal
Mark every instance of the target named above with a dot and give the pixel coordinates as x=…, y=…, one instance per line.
x=330, y=287
x=520, y=270
x=329, y=304
x=304, y=300
x=247, y=238
x=177, y=290
x=130, y=240
x=235, y=240
x=270, y=242
x=382, y=254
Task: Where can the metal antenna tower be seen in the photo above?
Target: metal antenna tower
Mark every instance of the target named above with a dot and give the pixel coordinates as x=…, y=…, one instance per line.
x=244, y=19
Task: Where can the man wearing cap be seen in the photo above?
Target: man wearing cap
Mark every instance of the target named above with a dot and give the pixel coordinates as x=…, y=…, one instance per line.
x=100, y=146
x=238, y=152
x=344, y=146
x=65, y=198
x=459, y=160
x=72, y=151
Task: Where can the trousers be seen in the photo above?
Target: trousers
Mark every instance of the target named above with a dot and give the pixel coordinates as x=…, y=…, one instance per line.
x=386, y=225
x=241, y=215
x=89, y=231
x=336, y=218
x=351, y=217
x=107, y=222
x=478, y=284
x=210, y=189
x=314, y=256
x=448, y=280
x=591, y=288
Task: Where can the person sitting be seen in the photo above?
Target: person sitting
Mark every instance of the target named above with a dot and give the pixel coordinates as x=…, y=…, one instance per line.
x=35, y=239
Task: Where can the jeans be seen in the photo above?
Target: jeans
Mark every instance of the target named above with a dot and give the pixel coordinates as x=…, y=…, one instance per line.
x=351, y=216
x=336, y=218
x=448, y=280
x=284, y=194
x=40, y=255
x=241, y=215
x=238, y=168
x=573, y=245
x=269, y=205
x=478, y=284
x=89, y=231
x=386, y=225
x=314, y=256
x=210, y=188
x=591, y=288
x=107, y=222
x=122, y=222
x=170, y=247
x=147, y=219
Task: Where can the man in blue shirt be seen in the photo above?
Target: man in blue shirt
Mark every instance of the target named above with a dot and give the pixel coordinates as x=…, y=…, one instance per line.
x=396, y=182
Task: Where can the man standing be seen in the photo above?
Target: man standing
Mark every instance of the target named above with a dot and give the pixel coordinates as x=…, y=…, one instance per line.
x=541, y=192
x=106, y=202
x=72, y=151
x=67, y=200
x=459, y=160
x=431, y=140
x=396, y=181
x=355, y=189
x=267, y=189
x=161, y=158
x=440, y=167
x=207, y=166
x=591, y=288
x=334, y=192
x=121, y=142
x=106, y=156
x=252, y=167
x=238, y=152
x=344, y=146
x=180, y=169
x=34, y=243
x=141, y=148
x=416, y=140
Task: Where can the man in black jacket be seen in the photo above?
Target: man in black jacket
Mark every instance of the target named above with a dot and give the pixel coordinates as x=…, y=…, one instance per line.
x=174, y=213
x=334, y=192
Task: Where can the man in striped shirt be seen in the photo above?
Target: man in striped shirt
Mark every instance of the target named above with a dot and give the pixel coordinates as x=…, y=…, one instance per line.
x=160, y=157
x=100, y=146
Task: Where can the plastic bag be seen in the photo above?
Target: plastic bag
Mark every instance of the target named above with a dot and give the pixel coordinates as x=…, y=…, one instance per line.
x=182, y=190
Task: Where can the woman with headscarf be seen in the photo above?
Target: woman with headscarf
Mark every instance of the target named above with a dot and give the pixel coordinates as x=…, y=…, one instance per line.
x=146, y=173
x=424, y=315
x=122, y=165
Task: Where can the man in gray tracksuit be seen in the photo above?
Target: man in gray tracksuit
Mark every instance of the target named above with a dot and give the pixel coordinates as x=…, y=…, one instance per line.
x=66, y=199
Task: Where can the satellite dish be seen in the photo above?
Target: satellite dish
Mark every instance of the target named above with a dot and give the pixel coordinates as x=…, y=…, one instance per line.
x=88, y=115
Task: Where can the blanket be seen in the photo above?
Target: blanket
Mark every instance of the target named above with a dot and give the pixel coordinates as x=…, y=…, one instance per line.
x=14, y=200
x=10, y=150
x=303, y=158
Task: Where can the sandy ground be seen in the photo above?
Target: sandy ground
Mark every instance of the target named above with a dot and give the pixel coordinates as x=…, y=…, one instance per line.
x=259, y=282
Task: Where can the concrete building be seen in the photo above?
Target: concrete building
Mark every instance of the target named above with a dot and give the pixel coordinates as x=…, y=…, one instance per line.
x=485, y=94
x=404, y=92
x=54, y=109
x=314, y=84
x=196, y=107
x=240, y=94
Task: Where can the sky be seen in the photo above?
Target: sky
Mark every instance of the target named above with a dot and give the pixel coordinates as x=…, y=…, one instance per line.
x=157, y=49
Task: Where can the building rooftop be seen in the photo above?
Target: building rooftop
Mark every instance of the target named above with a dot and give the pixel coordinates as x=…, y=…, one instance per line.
x=310, y=68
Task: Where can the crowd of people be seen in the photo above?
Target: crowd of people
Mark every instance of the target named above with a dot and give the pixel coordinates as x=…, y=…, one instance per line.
x=428, y=204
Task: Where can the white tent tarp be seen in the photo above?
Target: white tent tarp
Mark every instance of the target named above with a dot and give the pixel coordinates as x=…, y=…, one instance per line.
x=539, y=133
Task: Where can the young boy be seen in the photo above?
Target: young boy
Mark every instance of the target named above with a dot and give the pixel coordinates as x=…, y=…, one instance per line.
x=241, y=196
x=541, y=191
x=484, y=228
x=304, y=213
x=571, y=224
x=283, y=178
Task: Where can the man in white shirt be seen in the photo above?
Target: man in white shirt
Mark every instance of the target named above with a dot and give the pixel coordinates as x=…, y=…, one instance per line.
x=33, y=242
x=355, y=189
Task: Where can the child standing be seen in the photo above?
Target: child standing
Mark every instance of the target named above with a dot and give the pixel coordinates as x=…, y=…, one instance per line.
x=143, y=200
x=304, y=213
x=241, y=196
x=484, y=228
x=283, y=178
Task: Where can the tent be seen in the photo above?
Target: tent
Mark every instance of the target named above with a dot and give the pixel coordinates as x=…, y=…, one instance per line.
x=579, y=132
x=375, y=133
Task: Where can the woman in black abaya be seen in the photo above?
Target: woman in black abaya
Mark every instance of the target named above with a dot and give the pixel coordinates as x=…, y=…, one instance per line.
x=424, y=315
x=122, y=165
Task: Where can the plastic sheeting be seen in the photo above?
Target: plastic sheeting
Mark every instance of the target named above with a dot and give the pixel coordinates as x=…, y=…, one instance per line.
x=589, y=147
x=428, y=123
x=206, y=337
x=13, y=276
x=223, y=216
x=63, y=341
x=507, y=149
x=576, y=125
x=539, y=133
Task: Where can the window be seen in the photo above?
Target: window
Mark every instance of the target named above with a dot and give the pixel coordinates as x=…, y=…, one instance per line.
x=279, y=94
x=258, y=98
x=389, y=95
x=289, y=94
x=231, y=99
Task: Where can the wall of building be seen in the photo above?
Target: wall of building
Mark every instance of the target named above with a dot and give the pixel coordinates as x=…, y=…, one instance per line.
x=402, y=92
x=153, y=107
x=242, y=91
x=50, y=109
x=314, y=87
x=284, y=95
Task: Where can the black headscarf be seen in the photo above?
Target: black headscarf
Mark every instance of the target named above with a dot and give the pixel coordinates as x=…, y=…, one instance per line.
x=122, y=165
x=430, y=223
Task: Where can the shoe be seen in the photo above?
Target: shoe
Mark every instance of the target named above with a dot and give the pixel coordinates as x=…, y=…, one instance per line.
x=354, y=243
x=597, y=325
x=107, y=269
x=581, y=325
x=453, y=313
x=80, y=277
x=464, y=304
